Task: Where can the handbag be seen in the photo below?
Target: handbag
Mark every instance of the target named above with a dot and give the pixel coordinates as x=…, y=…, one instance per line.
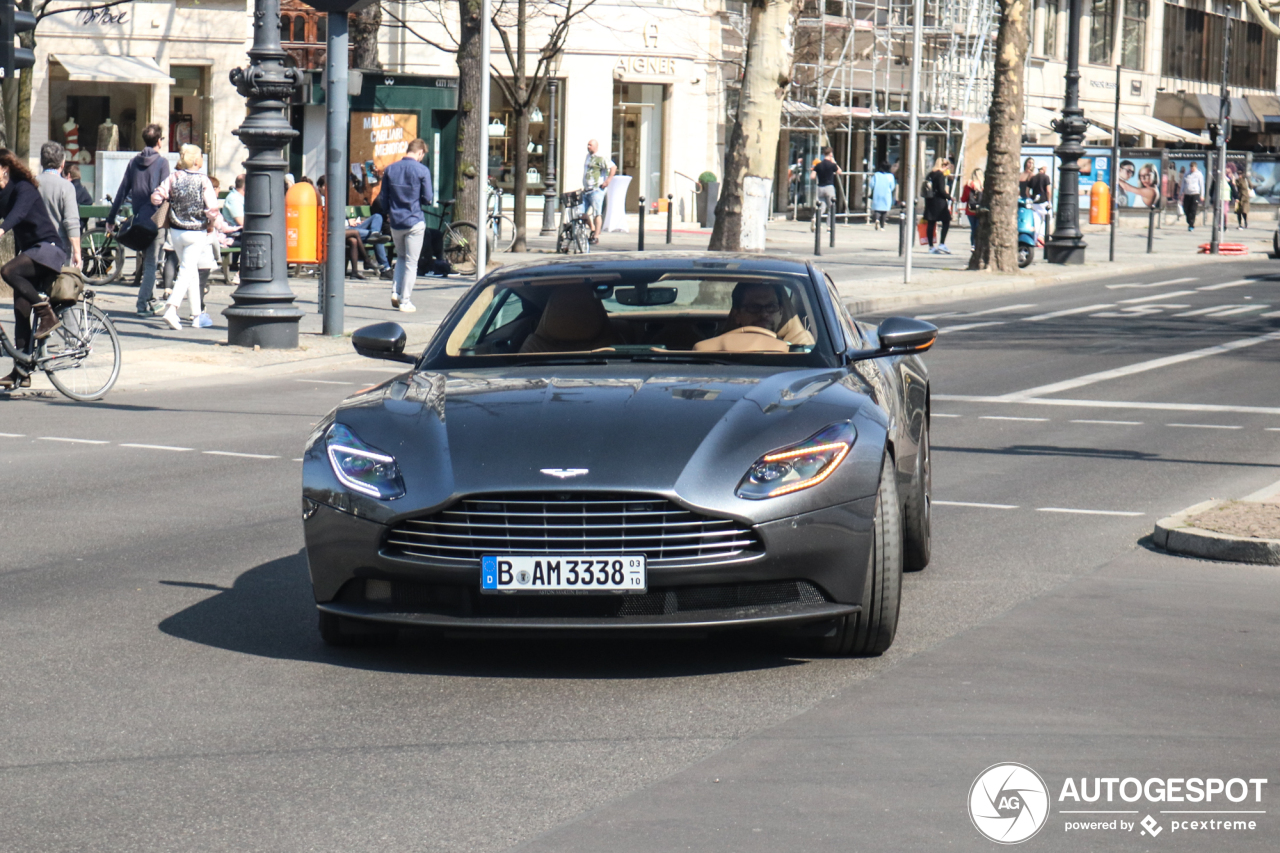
x=68, y=286
x=137, y=233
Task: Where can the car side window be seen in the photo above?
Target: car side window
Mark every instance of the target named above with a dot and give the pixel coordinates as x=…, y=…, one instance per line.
x=842, y=315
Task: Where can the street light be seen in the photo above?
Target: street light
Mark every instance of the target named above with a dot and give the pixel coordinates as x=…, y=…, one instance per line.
x=1067, y=244
x=549, y=194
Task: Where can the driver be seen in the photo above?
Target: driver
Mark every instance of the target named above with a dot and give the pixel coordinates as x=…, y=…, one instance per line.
x=760, y=320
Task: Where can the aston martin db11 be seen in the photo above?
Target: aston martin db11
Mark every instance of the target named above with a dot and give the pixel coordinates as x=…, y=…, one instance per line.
x=634, y=443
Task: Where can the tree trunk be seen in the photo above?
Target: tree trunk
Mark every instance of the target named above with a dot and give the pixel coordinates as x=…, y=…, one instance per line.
x=473, y=116
x=364, y=37
x=521, y=136
x=752, y=153
x=22, y=127
x=997, y=241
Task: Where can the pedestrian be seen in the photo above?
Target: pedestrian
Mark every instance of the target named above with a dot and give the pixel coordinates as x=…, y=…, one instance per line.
x=971, y=198
x=884, y=191
x=144, y=173
x=825, y=172
x=1192, y=190
x=368, y=231
x=71, y=171
x=937, y=205
x=406, y=189
x=233, y=213
x=1024, y=179
x=60, y=199
x=39, y=259
x=193, y=208
x=1242, y=191
x=1040, y=192
x=597, y=172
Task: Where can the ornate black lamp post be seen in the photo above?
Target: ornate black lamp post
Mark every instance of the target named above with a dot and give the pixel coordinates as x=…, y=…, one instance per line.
x=1067, y=244
x=263, y=313
x=550, y=199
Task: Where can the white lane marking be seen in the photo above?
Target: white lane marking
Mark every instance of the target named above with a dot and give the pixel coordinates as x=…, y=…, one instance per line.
x=12, y=435
x=937, y=316
x=1156, y=296
x=1272, y=429
x=1270, y=314
x=1141, y=310
x=1127, y=285
x=1205, y=426
x=299, y=459
x=1108, y=423
x=978, y=505
x=1213, y=309
x=962, y=327
x=1227, y=284
x=1087, y=511
x=943, y=415
x=1174, y=281
x=1243, y=309
x=325, y=381
x=1112, y=404
x=1008, y=418
x=1000, y=310
x=239, y=455
x=72, y=440
x=157, y=447
x=1139, y=367
x=1069, y=311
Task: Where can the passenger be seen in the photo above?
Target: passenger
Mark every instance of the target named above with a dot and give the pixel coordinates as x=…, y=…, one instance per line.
x=761, y=319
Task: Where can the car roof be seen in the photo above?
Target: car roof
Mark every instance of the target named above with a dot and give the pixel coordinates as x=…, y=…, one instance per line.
x=625, y=262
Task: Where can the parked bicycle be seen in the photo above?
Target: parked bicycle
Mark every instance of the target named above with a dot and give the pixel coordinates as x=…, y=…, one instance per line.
x=460, y=240
x=574, y=236
x=81, y=357
x=502, y=228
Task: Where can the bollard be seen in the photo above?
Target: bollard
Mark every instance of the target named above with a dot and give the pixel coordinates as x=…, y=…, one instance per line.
x=817, y=229
x=640, y=248
x=669, y=209
x=831, y=221
x=902, y=234
x=1151, y=224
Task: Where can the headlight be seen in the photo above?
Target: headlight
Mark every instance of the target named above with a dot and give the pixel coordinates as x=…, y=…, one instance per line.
x=799, y=466
x=362, y=468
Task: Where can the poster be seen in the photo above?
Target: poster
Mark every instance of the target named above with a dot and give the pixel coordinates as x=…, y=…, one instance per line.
x=1138, y=182
x=378, y=139
x=1265, y=178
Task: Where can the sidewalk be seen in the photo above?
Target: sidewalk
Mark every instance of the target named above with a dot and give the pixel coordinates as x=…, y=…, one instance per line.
x=864, y=264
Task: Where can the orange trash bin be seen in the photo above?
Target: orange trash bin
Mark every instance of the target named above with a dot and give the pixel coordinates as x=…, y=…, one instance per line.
x=1100, y=204
x=301, y=221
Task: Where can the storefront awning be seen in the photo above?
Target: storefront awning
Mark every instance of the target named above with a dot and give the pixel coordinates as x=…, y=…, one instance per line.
x=1040, y=120
x=1138, y=124
x=1197, y=112
x=1267, y=109
x=113, y=69
x=1242, y=116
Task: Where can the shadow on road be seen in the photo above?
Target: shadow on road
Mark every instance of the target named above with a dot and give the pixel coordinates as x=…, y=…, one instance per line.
x=269, y=612
x=1094, y=453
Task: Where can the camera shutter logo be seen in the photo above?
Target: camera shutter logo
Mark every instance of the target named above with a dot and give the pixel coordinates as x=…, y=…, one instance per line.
x=1008, y=803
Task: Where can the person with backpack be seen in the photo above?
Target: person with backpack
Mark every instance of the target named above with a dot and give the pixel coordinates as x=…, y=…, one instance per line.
x=193, y=208
x=144, y=173
x=971, y=198
x=884, y=190
x=937, y=205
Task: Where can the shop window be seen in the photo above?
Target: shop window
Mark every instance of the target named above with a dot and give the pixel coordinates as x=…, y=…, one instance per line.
x=1133, y=36
x=502, y=135
x=1102, y=23
x=1050, y=12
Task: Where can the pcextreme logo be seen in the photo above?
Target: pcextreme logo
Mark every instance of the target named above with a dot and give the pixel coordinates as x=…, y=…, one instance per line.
x=1009, y=803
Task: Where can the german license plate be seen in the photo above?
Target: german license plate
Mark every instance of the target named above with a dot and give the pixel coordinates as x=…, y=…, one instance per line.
x=563, y=574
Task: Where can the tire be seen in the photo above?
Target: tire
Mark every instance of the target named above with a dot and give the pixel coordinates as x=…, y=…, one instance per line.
x=342, y=632
x=505, y=237
x=582, y=240
x=104, y=266
x=917, y=528
x=1026, y=254
x=564, y=240
x=1275, y=244
x=460, y=246
x=81, y=357
x=870, y=632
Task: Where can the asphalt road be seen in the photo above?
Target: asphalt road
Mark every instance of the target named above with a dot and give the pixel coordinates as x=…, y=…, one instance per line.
x=163, y=686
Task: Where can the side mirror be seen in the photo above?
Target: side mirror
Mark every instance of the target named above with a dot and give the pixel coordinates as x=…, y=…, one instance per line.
x=382, y=340
x=906, y=335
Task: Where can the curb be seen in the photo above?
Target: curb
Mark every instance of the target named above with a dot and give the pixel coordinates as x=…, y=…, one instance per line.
x=1174, y=535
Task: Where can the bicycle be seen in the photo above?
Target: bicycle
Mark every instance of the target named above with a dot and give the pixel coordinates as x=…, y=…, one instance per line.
x=574, y=236
x=460, y=241
x=499, y=223
x=81, y=357
x=102, y=257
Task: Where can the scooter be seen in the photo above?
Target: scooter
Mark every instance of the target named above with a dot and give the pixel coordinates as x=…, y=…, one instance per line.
x=1026, y=233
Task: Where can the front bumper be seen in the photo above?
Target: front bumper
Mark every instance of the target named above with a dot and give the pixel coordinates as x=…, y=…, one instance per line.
x=812, y=568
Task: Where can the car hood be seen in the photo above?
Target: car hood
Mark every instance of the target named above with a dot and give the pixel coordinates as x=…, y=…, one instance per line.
x=680, y=433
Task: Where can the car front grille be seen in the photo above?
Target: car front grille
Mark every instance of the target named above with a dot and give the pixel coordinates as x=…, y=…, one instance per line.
x=666, y=534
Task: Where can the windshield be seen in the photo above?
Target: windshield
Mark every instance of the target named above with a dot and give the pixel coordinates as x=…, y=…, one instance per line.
x=641, y=315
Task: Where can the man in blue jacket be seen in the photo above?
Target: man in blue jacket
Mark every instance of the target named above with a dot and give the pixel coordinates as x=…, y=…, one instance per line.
x=406, y=189
x=144, y=173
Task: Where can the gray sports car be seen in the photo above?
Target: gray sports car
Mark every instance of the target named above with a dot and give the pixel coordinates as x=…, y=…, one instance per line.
x=632, y=443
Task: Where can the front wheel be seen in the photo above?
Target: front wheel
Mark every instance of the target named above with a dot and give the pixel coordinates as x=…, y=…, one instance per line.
x=582, y=239
x=870, y=632
x=101, y=258
x=460, y=246
x=82, y=356
x=1026, y=254
x=917, y=532
x=503, y=233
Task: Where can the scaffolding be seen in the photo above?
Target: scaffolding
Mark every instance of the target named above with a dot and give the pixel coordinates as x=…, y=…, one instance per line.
x=850, y=87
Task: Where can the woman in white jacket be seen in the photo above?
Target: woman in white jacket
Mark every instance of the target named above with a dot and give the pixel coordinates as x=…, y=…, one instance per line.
x=193, y=207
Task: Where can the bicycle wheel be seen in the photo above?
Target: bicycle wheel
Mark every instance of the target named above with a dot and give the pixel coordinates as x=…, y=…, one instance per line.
x=460, y=246
x=102, y=258
x=581, y=238
x=502, y=231
x=82, y=357
x=564, y=240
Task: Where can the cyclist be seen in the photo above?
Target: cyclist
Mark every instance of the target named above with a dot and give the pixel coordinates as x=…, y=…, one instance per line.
x=39, y=259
